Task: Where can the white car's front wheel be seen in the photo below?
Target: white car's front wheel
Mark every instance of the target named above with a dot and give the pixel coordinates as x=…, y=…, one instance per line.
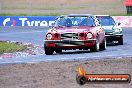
x=58, y=50
x=120, y=40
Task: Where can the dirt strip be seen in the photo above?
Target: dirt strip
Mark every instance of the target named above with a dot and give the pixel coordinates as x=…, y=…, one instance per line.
x=61, y=74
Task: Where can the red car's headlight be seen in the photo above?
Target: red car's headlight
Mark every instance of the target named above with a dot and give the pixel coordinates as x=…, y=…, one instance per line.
x=49, y=36
x=89, y=35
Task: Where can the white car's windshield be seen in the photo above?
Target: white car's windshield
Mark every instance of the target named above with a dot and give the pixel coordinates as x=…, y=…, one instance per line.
x=106, y=20
x=75, y=21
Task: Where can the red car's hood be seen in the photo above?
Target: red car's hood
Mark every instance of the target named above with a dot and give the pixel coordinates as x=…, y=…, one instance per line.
x=72, y=29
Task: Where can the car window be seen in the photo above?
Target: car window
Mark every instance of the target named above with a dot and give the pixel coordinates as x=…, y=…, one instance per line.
x=75, y=21
x=87, y=22
x=106, y=20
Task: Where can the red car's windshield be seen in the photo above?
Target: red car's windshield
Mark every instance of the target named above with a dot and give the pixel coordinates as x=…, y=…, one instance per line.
x=75, y=21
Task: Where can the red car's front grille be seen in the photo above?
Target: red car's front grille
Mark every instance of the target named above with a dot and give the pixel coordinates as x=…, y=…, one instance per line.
x=69, y=36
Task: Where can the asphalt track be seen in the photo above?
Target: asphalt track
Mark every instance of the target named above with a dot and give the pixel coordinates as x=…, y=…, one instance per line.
x=35, y=35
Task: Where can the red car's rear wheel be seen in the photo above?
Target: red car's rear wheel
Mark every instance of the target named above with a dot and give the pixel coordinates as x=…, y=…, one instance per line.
x=103, y=45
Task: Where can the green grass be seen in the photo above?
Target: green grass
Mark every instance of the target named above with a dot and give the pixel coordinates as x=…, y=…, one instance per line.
x=53, y=14
x=10, y=47
x=47, y=14
x=37, y=8
x=121, y=14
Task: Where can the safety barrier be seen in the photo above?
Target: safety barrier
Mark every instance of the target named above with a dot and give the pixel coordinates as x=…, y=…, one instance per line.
x=26, y=20
x=126, y=21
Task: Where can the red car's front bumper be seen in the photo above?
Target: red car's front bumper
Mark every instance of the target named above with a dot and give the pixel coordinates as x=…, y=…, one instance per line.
x=70, y=44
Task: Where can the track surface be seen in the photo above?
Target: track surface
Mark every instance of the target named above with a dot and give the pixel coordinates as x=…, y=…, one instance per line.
x=36, y=35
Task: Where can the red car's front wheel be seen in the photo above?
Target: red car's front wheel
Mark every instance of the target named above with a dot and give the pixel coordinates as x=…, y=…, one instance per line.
x=96, y=47
x=48, y=50
x=103, y=45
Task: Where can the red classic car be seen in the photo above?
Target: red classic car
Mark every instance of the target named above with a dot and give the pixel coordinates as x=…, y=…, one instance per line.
x=75, y=31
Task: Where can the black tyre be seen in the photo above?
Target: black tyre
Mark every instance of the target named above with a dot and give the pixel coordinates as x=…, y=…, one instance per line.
x=81, y=80
x=58, y=50
x=48, y=51
x=96, y=47
x=120, y=40
x=129, y=9
x=103, y=45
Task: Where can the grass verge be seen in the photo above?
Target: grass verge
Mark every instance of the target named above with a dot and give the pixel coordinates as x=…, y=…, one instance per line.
x=6, y=47
x=122, y=15
x=47, y=14
x=53, y=14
